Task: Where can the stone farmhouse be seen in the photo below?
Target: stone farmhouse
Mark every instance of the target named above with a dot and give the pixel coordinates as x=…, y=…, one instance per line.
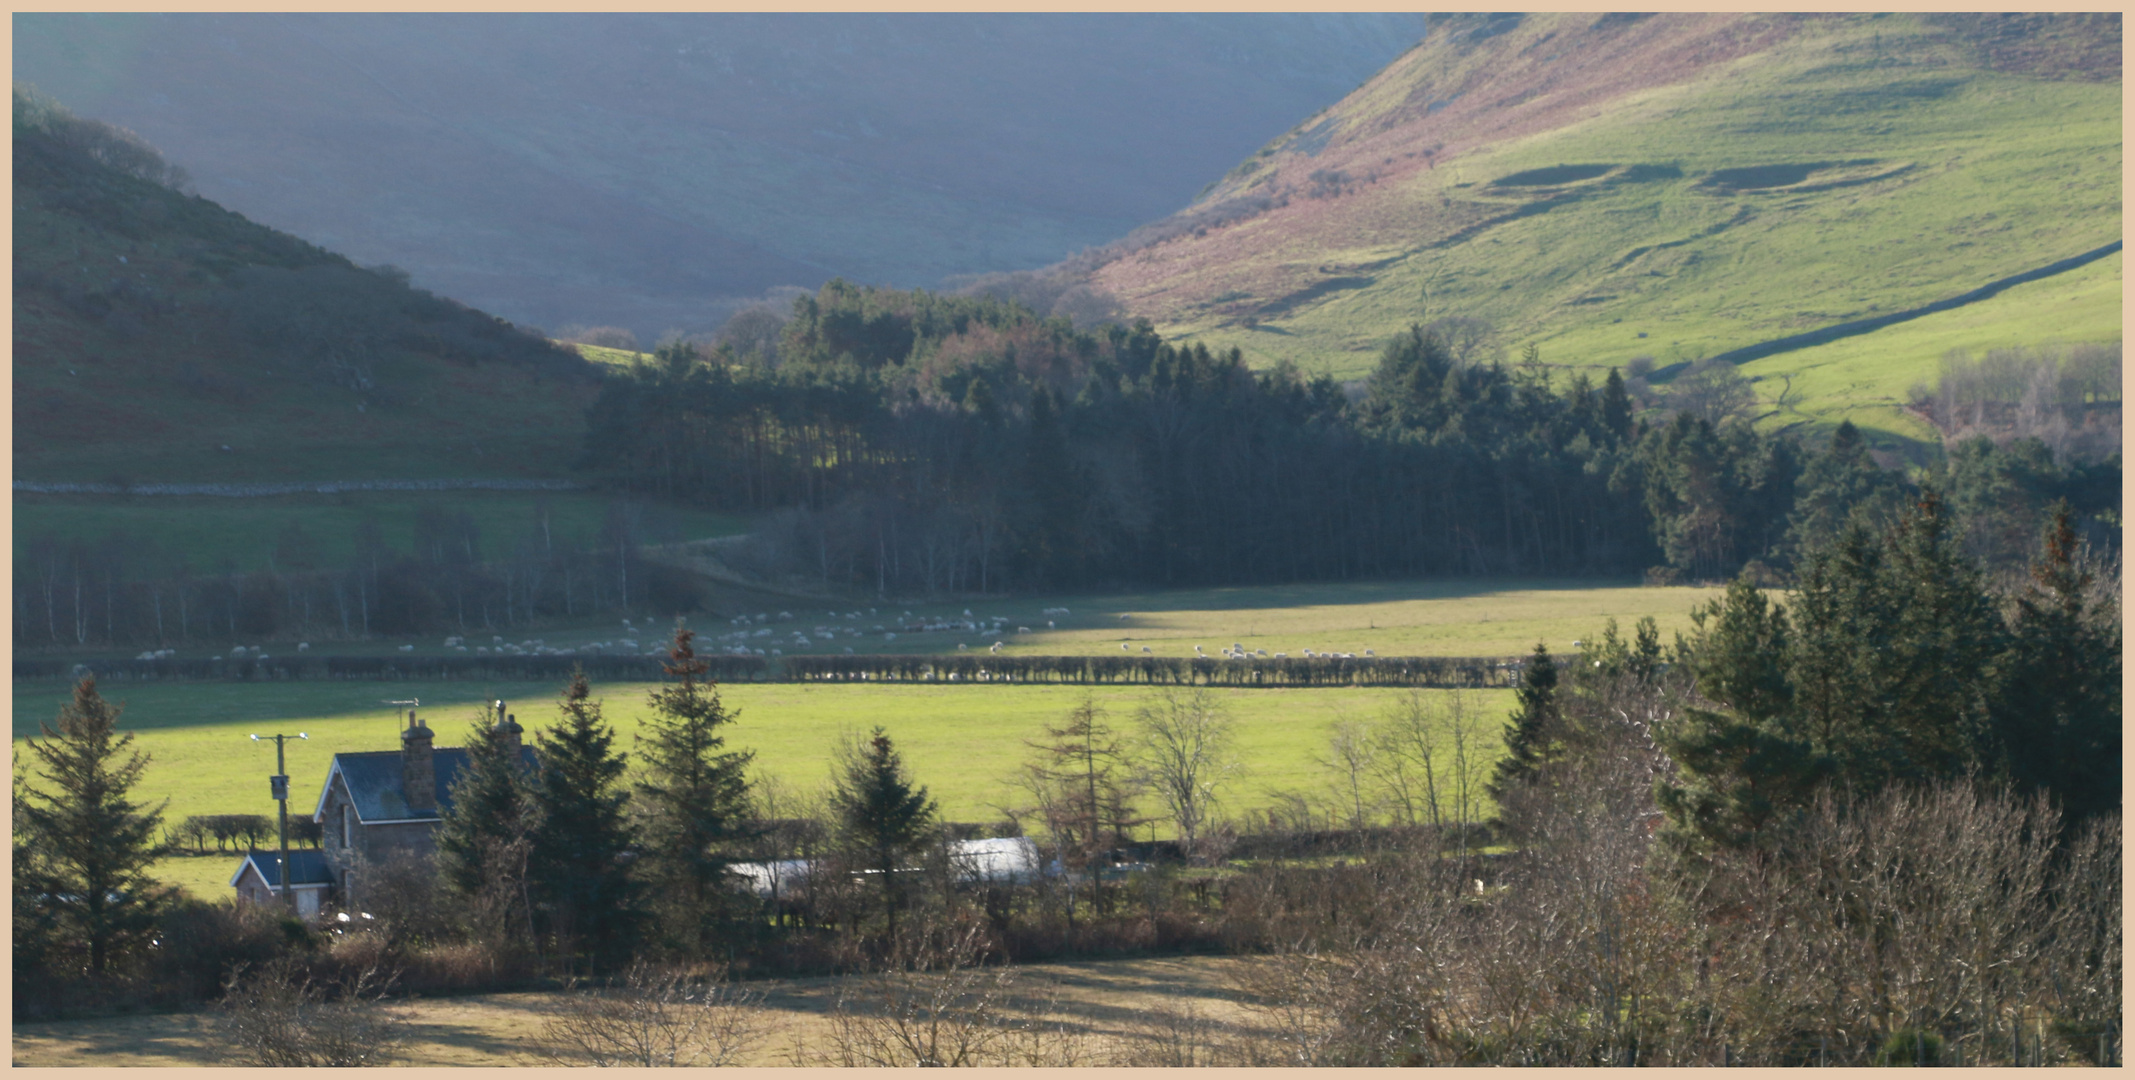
x=382, y=806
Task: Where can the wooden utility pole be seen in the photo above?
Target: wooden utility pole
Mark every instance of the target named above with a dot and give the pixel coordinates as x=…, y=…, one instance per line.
x=279, y=785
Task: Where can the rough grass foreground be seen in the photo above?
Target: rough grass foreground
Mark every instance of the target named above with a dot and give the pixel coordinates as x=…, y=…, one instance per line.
x=1097, y=1005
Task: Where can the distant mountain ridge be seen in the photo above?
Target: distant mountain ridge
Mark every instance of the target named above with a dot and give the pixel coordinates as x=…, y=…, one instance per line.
x=653, y=170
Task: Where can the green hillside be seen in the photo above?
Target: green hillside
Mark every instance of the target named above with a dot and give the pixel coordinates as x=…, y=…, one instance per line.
x=160, y=337
x=1673, y=187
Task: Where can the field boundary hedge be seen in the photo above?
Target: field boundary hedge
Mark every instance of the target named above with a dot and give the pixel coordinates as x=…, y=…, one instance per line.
x=1434, y=672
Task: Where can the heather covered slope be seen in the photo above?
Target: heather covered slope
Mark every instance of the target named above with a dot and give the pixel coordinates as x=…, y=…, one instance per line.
x=1673, y=186
x=161, y=338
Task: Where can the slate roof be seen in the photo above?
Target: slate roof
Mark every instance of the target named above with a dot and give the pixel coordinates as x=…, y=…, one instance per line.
x=373, y=779
x=305, y=868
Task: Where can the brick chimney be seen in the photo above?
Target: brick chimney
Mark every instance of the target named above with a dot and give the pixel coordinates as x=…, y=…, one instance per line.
x=508, y=730
x=418, y=773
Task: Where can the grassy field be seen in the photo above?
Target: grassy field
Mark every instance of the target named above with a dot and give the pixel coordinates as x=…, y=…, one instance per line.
x=1867, y=378
x=1442, y=617
x=1901, y=173
x=213, y=531
x=1101, y=998
x=964, y=743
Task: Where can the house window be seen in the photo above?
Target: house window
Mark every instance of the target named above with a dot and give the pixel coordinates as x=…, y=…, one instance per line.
x=347, y=824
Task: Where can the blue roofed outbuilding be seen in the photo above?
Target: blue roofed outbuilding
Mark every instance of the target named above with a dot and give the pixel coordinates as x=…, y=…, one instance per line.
x=259, y=878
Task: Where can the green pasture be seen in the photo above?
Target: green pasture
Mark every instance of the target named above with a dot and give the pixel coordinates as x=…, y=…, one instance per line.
x=1440, y=617
x=965, y=743
x=602, y=354
x=1921, y=180
x=1443, y=617
x=1868, y=379
x=213, y=532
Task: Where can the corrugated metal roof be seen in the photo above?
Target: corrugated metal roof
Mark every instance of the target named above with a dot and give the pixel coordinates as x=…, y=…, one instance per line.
x=305, y=868
x=373, y=779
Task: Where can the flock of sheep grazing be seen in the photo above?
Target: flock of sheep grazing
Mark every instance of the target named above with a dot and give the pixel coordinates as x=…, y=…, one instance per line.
x=752, y=636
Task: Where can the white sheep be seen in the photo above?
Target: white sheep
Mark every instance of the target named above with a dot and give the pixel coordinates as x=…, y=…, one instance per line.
x=303, y=646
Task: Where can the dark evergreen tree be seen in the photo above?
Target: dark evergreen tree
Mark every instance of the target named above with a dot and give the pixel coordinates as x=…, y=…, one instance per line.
x=578, y=873
x=1887, y=672
x=1531, y=735
x=1836, y=485
x=693, y=801
x=485, y=835
x=2057, y=722
x=91, y=843
x=1051, y=481
x=881, y=817
x=1616, y=406
x=1744, y=764
x=1998, y=495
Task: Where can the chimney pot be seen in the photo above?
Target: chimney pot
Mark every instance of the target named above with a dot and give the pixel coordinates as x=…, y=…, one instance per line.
x=418, y=769
x=508, y=729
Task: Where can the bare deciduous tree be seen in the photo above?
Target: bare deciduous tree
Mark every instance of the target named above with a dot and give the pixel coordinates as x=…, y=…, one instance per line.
x=281, y=1017
x=657, y=1017
x=934, y=1003
x=1186, y=753
x=1351, y=756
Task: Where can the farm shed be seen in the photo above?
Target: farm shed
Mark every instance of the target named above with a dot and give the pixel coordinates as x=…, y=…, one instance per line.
x=1002, y=860
x=258, y=879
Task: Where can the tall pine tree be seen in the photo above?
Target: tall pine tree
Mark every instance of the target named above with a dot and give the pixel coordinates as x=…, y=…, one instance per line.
x=1744, y=763
x=485, y=835
x=694, y=801
x=578, y=875
x=1836, y=485
x=1530, y=735
x=882, y=817
x=91, y=843
x=2057, y=722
